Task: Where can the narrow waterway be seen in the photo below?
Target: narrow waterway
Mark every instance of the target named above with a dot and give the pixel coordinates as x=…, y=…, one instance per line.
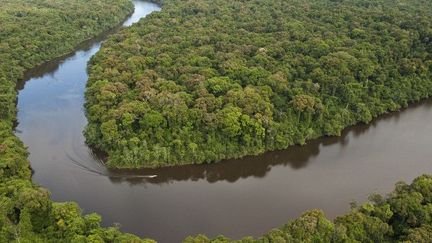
x=235, y=198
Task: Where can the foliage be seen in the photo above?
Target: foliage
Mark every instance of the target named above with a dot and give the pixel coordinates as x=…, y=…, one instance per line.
x=202, y=80
x=32, y=32
x=403, y=216
x=256, y=98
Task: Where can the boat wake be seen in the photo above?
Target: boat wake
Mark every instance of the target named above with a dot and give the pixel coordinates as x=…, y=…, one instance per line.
x=101, y=170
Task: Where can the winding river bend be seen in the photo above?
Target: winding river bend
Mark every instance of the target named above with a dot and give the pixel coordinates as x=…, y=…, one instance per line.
x=234, y=198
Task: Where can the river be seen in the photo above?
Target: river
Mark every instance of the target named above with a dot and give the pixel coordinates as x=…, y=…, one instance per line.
x=236, y=198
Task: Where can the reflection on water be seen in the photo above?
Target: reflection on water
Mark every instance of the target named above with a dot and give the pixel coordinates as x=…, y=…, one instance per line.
x=241, y=197
x=296, y=157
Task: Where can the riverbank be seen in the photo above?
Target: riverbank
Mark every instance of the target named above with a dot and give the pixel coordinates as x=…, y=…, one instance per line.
x=34, y=33
x=220, y=198
x=188, y=88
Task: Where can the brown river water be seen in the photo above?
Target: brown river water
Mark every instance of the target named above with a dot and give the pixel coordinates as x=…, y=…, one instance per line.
x=235, y=198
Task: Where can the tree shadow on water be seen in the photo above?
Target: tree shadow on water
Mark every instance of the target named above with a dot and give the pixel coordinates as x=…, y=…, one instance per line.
x=296, y=157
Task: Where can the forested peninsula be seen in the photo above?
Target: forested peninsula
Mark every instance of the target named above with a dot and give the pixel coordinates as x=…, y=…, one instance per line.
x=204, y=81
x=33, y=32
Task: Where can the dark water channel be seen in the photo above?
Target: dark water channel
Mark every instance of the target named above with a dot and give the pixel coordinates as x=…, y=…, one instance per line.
x=235, y=198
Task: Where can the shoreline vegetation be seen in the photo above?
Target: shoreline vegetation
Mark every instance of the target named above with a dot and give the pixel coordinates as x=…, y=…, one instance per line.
x=28, y=215
x=203, y=81
x=404, y=215
x=32, y=33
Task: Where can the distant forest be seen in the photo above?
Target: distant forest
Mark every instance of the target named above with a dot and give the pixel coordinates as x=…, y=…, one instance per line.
x=205, y=80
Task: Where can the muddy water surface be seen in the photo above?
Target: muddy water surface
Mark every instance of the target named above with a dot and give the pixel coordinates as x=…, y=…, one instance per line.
x=235, y=198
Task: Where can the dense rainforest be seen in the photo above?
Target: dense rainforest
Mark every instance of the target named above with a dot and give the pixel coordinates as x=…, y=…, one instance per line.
x=33, y=32
x=205, y=80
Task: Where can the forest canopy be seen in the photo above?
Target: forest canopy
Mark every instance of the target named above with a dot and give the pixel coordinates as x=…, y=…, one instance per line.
x=33, y=32
x=203, y=80
x=27, y=213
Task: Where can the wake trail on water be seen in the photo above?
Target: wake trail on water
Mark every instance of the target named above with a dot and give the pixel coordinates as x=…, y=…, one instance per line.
x=80, y=165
